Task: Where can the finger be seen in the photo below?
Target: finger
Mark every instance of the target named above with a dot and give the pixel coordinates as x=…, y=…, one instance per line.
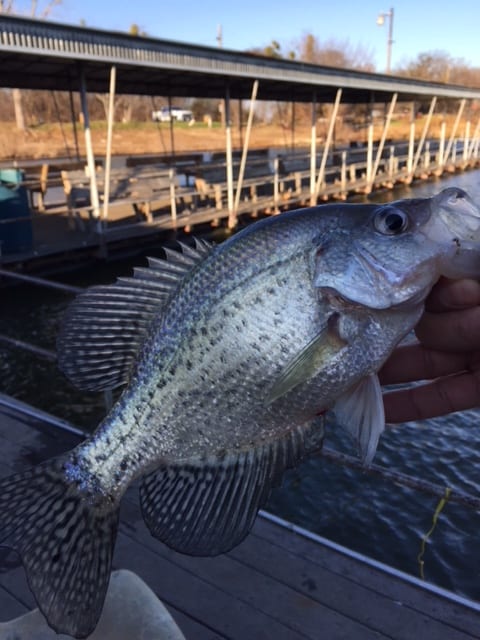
x=448, y=295
x=415, y=362
x=450, y=331
x=443, y=396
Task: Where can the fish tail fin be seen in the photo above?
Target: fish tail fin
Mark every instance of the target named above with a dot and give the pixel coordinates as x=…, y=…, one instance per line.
x=65, y=536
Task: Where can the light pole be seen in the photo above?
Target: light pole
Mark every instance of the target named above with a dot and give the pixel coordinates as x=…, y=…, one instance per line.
x=381, y=22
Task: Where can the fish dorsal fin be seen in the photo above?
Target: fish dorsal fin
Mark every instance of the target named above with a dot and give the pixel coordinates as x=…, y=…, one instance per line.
x=360, y=411
x=309, y=361
x=104, y=327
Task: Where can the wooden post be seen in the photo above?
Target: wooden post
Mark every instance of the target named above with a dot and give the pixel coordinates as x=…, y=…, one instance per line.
x=369, y=154
x=343, y=175
x=454, y=152
x=426, y=126
x=326, y=148
x=391, y=164
x=95, y=203
x=466, y=141
x=382, y=141
x=426, y=163
x=243, y=160
x=276, y=190
x=474, y=141
x=172, y=136
x=313, y=151
x=108, y=152
x=441, y=148
x=232, y=218
x=454, y=130
x=173, y=195
x=411, y=149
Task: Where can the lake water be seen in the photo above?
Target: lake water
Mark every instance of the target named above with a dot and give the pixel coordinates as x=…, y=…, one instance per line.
x=367, y=514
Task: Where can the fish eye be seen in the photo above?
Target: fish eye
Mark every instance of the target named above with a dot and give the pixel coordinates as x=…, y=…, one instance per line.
x=391, y=221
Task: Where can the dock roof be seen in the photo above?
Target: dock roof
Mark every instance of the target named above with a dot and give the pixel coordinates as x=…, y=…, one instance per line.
x=36, y=54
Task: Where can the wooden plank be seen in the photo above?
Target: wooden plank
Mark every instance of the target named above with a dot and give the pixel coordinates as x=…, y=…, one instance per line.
x=10, y=607
x=191, y=628
x=344, y=594
x=292, y=607
x=454, y=614
x=182, y=589
x=276, y=584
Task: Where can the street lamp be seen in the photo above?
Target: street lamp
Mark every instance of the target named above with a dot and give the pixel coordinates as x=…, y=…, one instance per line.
x=381, y=22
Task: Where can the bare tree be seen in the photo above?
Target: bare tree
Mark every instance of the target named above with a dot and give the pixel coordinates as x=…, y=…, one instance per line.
x=35, y=11
x=440, y=66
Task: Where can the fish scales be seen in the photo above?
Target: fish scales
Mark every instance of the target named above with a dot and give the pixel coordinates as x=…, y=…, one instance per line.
x=229, y=357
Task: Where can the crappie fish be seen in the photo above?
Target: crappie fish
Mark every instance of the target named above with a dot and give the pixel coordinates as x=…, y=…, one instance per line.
x=229, y=354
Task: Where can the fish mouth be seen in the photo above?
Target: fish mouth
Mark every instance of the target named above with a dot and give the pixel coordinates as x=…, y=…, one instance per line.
x=459, y=215
x=455, y=224
x=384, y=286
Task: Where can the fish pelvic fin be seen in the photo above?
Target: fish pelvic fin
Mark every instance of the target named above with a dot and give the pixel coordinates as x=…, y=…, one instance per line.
x=65, y=538
x=207, y=507
x=361, y=412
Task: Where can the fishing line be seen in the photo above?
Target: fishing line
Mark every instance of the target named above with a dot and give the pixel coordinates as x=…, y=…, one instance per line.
x=443, y=501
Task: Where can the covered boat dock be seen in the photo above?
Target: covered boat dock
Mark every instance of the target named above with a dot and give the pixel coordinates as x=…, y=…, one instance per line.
x=104, y=205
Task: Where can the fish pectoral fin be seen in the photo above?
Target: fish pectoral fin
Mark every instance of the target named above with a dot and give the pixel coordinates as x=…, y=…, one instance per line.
x=310, y=361
x=206, y=507
x=361, y=412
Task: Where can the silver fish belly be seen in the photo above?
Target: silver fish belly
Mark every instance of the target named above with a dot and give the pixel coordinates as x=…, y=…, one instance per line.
x=227, y=355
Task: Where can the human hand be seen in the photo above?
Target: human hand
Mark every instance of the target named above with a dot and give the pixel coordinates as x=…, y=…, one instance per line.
x=447, y=356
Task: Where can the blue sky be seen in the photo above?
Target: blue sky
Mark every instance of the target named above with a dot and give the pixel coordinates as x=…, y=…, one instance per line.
x=419, y=26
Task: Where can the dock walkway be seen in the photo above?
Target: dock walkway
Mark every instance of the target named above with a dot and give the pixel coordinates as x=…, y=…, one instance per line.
x=150, y=202
x=281, y=582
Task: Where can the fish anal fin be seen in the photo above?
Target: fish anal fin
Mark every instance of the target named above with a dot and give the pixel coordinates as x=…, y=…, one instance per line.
x=207, y=507
x=310, y=360
x=361, y=412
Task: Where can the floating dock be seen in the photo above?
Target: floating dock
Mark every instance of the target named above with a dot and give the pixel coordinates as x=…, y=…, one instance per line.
x=151, y=202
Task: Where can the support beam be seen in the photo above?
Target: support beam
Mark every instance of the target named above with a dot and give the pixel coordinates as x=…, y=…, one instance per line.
x=313, y=150
x=243, y=160
x=172, y=135
x=328, y=141
x=411, y=140
x=466, y=141
x=74, y=123
x=441, y=148
x=381, y=145
x=426, y=127
x=232, y=218
x=448, y=150
x=94, y=199
x=108, y=151
x=473, y=140
x=369, y=153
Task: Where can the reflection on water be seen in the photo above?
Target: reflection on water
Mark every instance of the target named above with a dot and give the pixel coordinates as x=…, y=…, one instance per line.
x=379, y=519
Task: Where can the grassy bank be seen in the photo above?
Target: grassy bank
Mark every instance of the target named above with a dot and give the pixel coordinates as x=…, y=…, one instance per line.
x=55, y=140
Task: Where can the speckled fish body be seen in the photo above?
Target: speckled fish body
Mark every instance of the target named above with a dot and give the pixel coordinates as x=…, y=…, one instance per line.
x=228, y=356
